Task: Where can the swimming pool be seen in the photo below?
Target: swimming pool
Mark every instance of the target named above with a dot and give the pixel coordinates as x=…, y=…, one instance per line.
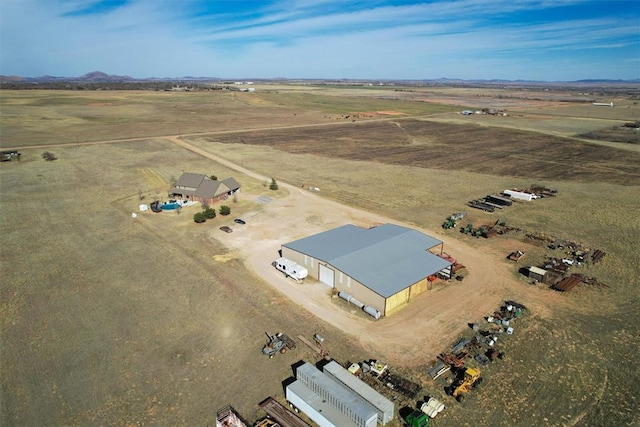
x=169, y=206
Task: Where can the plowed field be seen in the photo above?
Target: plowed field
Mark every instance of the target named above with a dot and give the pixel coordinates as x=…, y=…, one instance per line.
x=432, y=145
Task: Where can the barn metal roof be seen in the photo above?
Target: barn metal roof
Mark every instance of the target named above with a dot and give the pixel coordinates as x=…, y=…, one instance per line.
x=387, y=258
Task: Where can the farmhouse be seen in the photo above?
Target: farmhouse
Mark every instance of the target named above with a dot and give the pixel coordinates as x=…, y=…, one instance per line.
x=201, y=188
x=383, y=267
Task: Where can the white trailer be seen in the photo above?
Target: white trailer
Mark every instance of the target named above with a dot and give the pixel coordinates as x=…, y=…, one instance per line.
x=290, y=268
x=520, y=195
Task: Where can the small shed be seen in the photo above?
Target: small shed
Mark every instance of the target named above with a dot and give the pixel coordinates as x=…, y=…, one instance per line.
x=537, y=273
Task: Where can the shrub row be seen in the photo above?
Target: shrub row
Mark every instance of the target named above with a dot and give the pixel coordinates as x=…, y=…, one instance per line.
x=210, y=213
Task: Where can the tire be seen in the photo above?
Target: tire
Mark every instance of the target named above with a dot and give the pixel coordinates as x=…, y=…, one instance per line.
x=460, y=398
x=478, y=382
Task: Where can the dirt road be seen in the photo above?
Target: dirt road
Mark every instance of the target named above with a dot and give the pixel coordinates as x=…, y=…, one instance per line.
x=411, y=336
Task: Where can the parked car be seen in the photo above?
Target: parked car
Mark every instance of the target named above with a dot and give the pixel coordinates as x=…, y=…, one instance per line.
x=239, y=221
x=226, y=229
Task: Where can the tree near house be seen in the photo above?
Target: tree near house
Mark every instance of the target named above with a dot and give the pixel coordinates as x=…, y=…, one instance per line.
x=225, y=210
x=274, y=185
x=209, y=213
x=199, y=217
x=213, y=177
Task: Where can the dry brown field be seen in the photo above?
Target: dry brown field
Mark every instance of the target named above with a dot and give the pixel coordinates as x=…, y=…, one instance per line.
x=107, y=320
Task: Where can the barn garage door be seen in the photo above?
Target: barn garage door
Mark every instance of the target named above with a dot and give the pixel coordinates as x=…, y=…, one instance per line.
x=326, y=275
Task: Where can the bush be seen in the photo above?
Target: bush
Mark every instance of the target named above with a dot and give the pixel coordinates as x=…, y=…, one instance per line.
x=225, y=210
x=199, y=217
x=274, y=185
x=209, y=213
x=48, y=156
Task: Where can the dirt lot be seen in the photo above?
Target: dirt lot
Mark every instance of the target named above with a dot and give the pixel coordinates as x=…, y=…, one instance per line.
x=301, y=213
x=110, y=320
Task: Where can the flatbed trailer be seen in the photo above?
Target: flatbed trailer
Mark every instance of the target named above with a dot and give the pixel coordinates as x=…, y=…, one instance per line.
x=402, y=385
x=281, y=414
x=482, y=206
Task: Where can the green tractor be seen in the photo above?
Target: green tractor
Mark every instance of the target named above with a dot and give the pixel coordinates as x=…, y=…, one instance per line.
x=468, y=229
x=449, y=223
x=417, y=419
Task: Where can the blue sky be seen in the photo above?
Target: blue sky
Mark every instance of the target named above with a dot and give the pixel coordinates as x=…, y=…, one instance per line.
x=553, y=40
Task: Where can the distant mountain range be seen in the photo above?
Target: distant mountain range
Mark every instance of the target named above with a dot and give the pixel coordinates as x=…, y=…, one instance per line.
x=100, y=77
x=93, y=77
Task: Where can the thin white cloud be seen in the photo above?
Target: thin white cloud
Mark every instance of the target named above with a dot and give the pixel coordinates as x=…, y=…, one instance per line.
x=299, y=38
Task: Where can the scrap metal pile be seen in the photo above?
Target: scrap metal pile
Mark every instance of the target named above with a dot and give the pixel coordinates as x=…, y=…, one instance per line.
x=464, y=359
x=377, y=374
x=558, y=267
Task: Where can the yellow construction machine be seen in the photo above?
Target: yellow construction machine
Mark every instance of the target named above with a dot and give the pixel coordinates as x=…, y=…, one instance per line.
x=470, y=379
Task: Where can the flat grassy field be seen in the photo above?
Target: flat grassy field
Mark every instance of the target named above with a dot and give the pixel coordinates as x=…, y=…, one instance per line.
x=54, y=117
x=107, y=320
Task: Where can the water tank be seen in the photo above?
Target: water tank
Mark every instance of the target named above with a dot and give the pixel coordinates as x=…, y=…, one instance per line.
x=345, y=296
x=356, y=302
x=371, y=311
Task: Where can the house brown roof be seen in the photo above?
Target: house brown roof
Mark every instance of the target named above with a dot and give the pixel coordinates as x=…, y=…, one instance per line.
x=231, y=183
x=200, y=185
x=210, y=189
x=191, y=180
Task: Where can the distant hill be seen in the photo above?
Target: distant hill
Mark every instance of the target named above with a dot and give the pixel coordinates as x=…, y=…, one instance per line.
x=92, y=77
x=98, y=76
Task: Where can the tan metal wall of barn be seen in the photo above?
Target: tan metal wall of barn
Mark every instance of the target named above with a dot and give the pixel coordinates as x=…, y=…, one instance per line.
x=342, y=282
x=311, y=263
x=359, y=291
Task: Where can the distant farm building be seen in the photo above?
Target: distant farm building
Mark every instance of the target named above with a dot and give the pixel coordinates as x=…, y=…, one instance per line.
x=201, y=188
x=383, y=267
